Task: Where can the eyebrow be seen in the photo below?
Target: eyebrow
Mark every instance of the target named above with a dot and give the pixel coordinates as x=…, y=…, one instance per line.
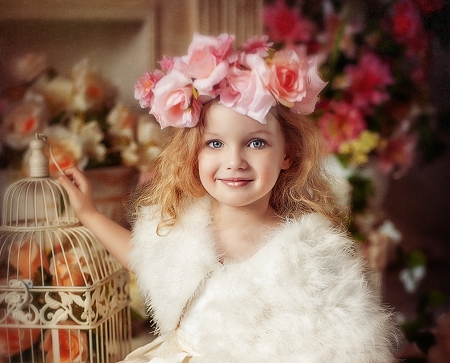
x=265, y=132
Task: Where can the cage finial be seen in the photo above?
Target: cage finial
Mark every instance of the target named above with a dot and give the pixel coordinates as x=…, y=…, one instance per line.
x=39, y=165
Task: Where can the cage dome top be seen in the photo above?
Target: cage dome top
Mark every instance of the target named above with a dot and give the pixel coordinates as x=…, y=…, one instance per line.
x=37, y=201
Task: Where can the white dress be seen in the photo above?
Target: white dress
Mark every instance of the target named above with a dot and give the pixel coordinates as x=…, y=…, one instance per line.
x=181, y=345
x=303, y=297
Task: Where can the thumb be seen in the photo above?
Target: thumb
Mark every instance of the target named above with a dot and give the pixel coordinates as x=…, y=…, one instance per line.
x=67, y=184
x=65, y=181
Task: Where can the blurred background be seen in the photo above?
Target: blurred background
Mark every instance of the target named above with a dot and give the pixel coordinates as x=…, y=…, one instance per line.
x=68, y=68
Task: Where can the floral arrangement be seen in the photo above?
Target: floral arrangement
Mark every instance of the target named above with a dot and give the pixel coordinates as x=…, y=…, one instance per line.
x=84, y=123
x=249, y=80
x=374, y=113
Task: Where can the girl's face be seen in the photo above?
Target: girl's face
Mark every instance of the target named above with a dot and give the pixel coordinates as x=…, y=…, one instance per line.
x=241, y=158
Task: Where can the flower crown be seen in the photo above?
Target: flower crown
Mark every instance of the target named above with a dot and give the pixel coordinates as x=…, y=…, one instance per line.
x=249, y=81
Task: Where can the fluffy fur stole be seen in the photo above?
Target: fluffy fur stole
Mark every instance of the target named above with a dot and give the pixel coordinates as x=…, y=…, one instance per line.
x=302, y=298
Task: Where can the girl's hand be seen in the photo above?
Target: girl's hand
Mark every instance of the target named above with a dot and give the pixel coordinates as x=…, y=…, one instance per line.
x=79, y=190
x=113, y=236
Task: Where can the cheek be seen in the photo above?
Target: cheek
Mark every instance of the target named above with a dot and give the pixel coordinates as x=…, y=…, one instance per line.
x=270, y=170
x=204, y=167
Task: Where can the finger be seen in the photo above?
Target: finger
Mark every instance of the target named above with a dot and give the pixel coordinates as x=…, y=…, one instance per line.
x=67, y=183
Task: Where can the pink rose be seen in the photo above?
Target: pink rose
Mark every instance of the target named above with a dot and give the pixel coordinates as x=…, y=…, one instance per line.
x=15, y=340
x=29, y=260
x=206, y=87
x=314, y=85
x=174, y=102
x=70, y=269
x=205, y=53
x=207, y=62
x=143, y=90
x=288, y=77
x=72, y=345
x=342, y=122
x=247, y=91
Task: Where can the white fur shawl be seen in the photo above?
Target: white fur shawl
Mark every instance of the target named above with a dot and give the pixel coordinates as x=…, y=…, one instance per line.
x=302, y=298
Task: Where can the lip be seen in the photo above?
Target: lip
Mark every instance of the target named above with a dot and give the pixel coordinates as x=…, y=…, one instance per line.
x=235, y=182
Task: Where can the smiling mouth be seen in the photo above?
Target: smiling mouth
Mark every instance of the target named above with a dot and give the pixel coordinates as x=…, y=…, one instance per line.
x=235, y=182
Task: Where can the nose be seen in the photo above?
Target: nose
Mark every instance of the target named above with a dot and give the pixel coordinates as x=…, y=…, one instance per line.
x=236, y=159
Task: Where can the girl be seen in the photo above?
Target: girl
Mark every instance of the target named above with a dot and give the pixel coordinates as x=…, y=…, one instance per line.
x=239, y=246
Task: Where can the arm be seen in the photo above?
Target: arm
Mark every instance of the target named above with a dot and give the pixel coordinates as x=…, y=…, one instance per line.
x=114, y=237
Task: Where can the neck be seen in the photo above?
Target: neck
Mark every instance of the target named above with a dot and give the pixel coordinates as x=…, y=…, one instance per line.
x=240, y=231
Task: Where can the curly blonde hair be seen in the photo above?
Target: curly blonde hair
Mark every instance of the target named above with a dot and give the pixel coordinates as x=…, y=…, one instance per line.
x=304, y=187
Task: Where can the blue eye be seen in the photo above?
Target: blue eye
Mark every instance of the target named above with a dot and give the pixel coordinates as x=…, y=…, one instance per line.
x=214, y=144
x=257, y=144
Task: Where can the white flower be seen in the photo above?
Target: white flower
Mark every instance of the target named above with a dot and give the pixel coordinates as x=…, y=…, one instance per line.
x=29, y=66
x=389, y=230
x=23, y=120
x=130, y=155
x=411, y=277
x=148, y=130
x=92, y=136
x=91, y=90
x=58, y=92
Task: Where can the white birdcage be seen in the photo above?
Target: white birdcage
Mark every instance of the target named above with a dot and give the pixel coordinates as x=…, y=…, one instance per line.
x=63, y=298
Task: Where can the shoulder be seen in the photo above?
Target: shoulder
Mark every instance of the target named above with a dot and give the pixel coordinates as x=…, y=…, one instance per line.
x=310, y=254
x=195, y=214
x=315, y=235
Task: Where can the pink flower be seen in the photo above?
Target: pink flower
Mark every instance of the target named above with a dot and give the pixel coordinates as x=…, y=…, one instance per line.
x=207, y=62
x=258, y=45
x=70, y=268
x=285, y=24
x=29, y=260
x=143, y=90
x=174, y=102
x=167, y=63
x=72, y=345
x=314, y=85
x=206, y=87
x=407, y=27
x=397, y=154
x=15, y=340
x=205, y=53
x=342, y=122
x=247, y=92
x=368, y=82
x=288, y=77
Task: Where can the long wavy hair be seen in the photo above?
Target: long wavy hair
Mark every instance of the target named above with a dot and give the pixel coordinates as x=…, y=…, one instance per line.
x=304, y=187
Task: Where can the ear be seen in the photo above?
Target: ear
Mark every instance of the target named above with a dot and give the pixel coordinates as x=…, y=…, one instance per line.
x=287, y=162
